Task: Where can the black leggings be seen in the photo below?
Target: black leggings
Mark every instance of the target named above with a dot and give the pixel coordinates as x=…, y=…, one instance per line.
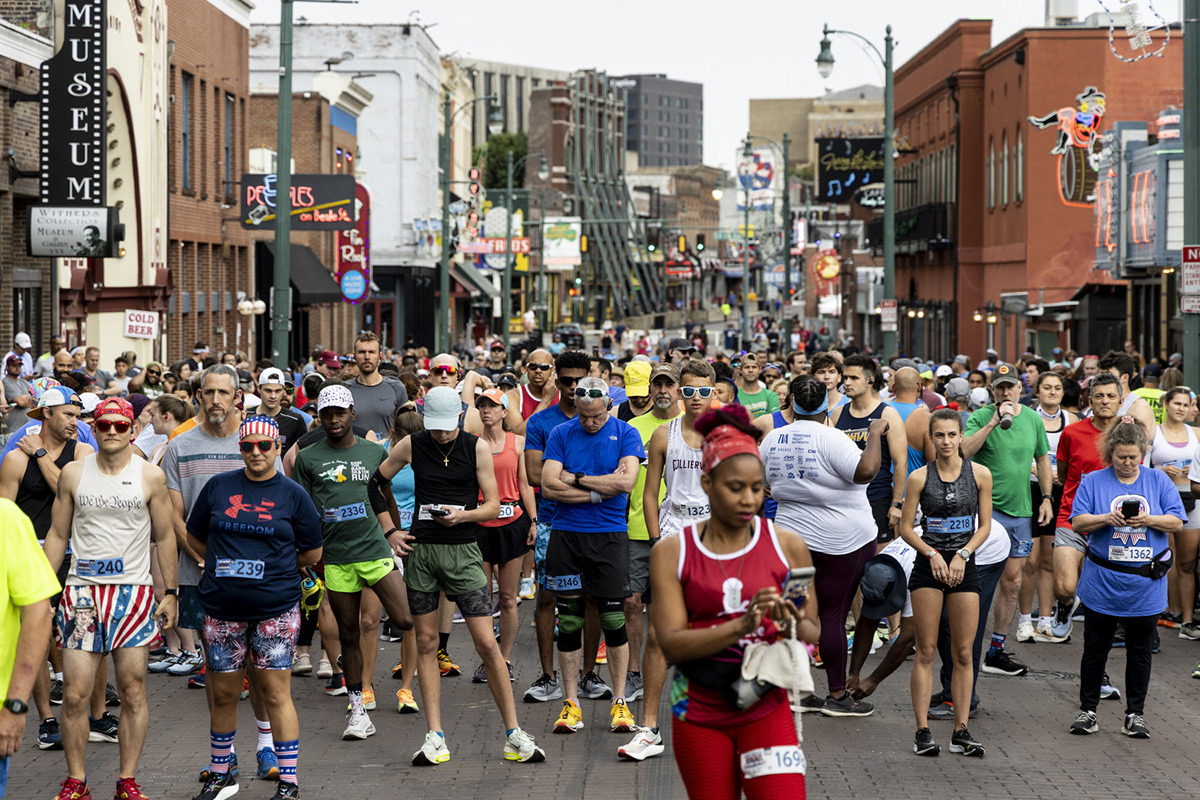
x=308, y=626
x=1097, y=641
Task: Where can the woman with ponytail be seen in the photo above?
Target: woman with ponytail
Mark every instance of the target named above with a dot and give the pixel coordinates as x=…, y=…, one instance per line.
x=819, y=478
x=718, y=587
x=1127, y=513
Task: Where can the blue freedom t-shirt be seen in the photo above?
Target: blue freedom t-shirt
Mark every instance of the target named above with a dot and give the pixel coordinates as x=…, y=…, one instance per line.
x=596, y=453
x=252, y=531
x=537, y=431
x=1118, y=593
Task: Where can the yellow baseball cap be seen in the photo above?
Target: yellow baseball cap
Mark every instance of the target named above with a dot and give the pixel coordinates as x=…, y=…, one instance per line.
x=637, y=378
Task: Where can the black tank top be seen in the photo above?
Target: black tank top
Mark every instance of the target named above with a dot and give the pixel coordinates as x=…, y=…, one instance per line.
x=625, y=412
x=949, y=508
x=856, y=428
x=34, y=495
x=443, y=475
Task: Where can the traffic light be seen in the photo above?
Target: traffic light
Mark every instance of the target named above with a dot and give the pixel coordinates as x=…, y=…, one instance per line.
x=699, y=242
x=583, y=243
x=682, y=244
x=473, y=187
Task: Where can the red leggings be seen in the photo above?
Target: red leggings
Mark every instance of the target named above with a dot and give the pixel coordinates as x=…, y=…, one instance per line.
x=709, y=759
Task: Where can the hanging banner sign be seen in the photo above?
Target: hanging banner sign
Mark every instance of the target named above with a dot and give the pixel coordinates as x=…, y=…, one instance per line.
x=353, y=271
x=561, y=242
x=846, y=165
x=75, y=110
x=79, y=231
x=318, y=202
x=826, y=265
x=758, y=178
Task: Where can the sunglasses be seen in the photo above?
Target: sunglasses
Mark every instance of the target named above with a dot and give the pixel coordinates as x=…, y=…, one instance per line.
x=689, y=392
x=443, y=370
x=590, y=393
x=104, y=426
x=564, y=381
x=153, y=372
x=263, y=445
x=539, y=367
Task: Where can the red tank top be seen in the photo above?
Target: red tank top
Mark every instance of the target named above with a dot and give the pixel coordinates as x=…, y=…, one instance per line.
x=717, y=589
x=529, y=403
x=507, y=481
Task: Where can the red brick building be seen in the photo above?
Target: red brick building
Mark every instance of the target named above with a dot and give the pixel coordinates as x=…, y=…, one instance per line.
x=980, y=218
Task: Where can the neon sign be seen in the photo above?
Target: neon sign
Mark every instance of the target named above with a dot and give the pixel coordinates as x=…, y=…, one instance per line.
x=1141, y=206
x=318, y=202
x=1077, y=146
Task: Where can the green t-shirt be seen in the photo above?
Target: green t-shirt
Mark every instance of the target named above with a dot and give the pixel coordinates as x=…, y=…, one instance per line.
x=764, y=401
x=645, y=425
x=25, y=579
x=1154, y=398
x=1008, y=454
x=337, y=482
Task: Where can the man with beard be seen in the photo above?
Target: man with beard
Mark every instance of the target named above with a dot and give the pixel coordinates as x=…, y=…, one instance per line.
x=149, y=381
x=376, y=399
x=25, y=437
x=44, y=368
x=637, y=390
x=539, y=394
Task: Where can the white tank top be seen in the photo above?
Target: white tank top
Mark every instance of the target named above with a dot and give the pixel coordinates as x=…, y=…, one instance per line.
x=685, y=502
x=110, y=530
x=1052, y=437
x=1164, y=453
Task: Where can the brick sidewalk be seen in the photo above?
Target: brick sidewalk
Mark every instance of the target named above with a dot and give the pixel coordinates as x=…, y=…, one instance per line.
x=1022, y=722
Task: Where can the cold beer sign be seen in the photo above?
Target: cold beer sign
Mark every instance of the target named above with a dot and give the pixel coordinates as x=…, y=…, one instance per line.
x=74, y=110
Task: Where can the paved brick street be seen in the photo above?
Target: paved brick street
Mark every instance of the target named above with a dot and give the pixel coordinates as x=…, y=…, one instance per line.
x=1022, y=722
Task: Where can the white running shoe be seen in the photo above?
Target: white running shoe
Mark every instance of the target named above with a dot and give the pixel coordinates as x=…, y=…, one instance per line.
x=646, y=744
x=526, y=590
x=1026, y=631
x=360, y=727
x=433, y=751
x=519, y=746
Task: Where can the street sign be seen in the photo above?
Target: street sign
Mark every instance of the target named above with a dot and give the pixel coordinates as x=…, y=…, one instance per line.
x=1189, y=303
x=491, y=245
x=1190, y=279
x=888, y=317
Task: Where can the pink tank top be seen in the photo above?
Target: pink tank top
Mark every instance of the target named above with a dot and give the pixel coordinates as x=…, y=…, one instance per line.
x=508, y=481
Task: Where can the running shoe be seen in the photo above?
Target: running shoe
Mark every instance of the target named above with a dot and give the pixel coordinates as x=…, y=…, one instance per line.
x=1189, y=630
x=396, y=674
x=103, y=729
x=519, y=746
x=924, y=745
x=812, y=703
x=1156, y=648
x=480, y=675
x=1077, y=610
x=188, y=664
x=167, y=661
x=71, y=789
x=526, y=591
x=368, y=698
x=591, y=687
x=962, y=742
x=602, y=653
x=433, y=751
x=1118, y=639
x=1196, y=671
x=1108, y=691
x=816, y=657
x=942, y=711
x=49, y=735
x=286, y=791
x=112, y=699
x=496, y=609
x=405, y=703
x=546, y=688
x=846, y=706
x=128, y=789
x=448, y=668
x=324, y=669
x=1025, y=631
x=1135, y=727
x=458, y=617
x=622, y=719
x=302, y=664
x=56, y=689
x=336, y=685
x=647, y=743
x=634, y=687
x=218, y=786
x=233, y=768
x=1003, y=664
x=512, y=676
x=1045, y=634
x=389, y=632
x=1084, y=724
x=197, y=680
x=268, y=764
x=1169, y=620
x=570, y=719
x=1060, y=622
x=360, y=726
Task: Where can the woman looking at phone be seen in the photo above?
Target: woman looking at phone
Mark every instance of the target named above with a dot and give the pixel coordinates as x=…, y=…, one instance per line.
x=1128, y=513
x=717, y=587
x=952, y=494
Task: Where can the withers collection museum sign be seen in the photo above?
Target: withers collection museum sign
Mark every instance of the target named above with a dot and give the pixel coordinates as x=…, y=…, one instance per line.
x=74, y=110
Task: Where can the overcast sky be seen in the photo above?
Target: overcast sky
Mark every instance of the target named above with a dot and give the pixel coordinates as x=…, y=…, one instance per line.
x=738, y=50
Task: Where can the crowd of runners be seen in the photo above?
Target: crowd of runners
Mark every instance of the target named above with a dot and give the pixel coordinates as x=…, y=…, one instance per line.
x=733, y=525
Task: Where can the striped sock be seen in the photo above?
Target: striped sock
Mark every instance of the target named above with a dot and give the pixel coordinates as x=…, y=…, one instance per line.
x=264, y=734
x=288, y=754
x=222, y=748
x=997, y=642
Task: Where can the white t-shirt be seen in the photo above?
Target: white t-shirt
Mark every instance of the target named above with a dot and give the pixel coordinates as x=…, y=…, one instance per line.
x=902, y=552
x=810, y=469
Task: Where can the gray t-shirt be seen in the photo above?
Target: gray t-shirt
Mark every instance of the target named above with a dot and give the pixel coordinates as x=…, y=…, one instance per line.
x=191, y=458
x=14, y=388
x=375, y=406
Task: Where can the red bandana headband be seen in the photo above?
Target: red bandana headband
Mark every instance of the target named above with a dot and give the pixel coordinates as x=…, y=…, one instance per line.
x=723, y=442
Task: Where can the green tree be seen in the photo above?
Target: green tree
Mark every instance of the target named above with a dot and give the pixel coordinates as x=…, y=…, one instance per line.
x=496, y=149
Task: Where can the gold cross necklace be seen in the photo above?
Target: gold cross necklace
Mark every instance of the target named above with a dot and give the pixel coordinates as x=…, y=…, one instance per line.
x=445, y=453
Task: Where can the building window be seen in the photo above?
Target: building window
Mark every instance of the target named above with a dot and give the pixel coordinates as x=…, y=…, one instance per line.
x=534, y=83
x=991, y=174
x=1019, y=169
x=520, y=104
x=229, y=146
x=504, y=100
x=633, y=98
x=185, y=130
x=1004, y=168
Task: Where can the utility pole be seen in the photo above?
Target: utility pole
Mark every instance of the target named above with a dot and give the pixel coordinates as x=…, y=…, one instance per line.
x=281, y=301
x=787, y=248
x=1191, y=173
x=441, y=328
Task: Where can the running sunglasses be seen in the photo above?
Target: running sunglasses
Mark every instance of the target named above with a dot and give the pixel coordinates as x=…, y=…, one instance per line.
x=689, y=392
x=443, y=369
x=263, y=445
x=590, y=393
x=540, y=367
x=104, y=426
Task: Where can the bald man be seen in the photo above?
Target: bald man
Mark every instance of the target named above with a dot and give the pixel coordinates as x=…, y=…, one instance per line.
x=906, y=386
x=538, y=395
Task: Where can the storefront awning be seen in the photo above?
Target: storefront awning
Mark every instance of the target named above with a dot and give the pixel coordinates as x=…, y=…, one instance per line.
x=472, y=280
x=310, y=279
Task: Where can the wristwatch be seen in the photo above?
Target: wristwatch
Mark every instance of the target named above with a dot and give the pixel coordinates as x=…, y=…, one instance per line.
x=41, y=451
x=16, y=706
x=578, y=478
x=171, y=592
x=932, y=552
x=964, y=554
x=896, y=504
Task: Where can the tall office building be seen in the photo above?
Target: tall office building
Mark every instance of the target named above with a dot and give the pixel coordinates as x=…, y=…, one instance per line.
x=664, y=119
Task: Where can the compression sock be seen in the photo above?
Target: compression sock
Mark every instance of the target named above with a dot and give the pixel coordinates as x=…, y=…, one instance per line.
x=288, y=754
x=443, y=641
x=356, y=699
x=264, y=734
x=997, y=643
x=222, y=750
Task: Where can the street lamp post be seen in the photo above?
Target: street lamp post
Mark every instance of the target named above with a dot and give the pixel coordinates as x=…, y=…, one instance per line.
x=825, y=68
x=441, y=335
x=506, y=284
x=786, y=225
x=747, y=153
